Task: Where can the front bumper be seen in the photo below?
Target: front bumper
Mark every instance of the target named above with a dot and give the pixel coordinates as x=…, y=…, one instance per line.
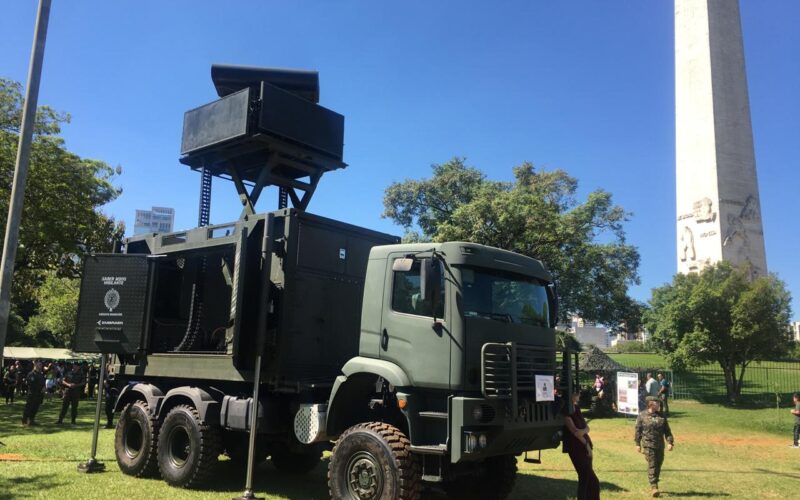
x=537, y=426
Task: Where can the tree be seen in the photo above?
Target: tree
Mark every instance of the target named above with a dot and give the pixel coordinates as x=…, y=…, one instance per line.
x=536, y=215
x=720, y=316
x=632, y=313
x=61, y=220
x=57, y=299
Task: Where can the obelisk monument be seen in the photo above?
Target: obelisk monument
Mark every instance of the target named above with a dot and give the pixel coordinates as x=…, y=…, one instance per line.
x=719, y=211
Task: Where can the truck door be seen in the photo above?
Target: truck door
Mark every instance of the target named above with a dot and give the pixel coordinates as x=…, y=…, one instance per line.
x=410, y=337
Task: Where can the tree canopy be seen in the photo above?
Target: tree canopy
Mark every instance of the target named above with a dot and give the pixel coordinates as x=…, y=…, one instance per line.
x=61, y=218
x=538, y=215
x=720, y=316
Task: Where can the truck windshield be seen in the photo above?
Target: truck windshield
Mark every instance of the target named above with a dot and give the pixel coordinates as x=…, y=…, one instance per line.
x=504, y=296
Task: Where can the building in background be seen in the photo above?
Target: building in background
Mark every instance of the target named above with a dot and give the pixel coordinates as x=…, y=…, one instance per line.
x=155, y=220
x=589, y=333
x=794, y=327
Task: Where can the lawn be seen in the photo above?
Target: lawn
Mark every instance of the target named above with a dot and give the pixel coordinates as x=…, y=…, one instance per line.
x=719, y=452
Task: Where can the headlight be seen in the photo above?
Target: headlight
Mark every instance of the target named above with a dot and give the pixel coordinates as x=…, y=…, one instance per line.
x=477, y=414
x=483, y=441
x=470, y=443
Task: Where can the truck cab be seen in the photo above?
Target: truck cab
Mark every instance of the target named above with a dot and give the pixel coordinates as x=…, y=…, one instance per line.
x=458, y=339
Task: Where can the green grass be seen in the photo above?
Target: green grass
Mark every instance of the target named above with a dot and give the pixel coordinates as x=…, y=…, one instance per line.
x=720, y=453
x=645, y=360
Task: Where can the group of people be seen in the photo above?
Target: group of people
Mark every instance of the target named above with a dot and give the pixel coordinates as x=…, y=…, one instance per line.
x=34, y=380
x=652, y=436
x=659, y=389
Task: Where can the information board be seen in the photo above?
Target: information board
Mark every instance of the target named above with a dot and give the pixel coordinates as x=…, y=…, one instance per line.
x=628, y=393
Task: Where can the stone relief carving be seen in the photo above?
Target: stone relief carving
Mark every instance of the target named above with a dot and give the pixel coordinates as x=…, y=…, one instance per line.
x=750, y=209
x=687, y=245
x=703, y=210
x=748, y=213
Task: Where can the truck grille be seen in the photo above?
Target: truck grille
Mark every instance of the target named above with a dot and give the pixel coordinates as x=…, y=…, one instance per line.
x=509, y=369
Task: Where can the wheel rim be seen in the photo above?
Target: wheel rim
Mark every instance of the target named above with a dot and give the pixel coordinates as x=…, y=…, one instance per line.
x=134, y=439
x=364, y=476
x=179, y=447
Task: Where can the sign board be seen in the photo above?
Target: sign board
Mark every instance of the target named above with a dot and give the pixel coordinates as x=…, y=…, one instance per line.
x=113, y=303
x=628, y=393
x=544, y=388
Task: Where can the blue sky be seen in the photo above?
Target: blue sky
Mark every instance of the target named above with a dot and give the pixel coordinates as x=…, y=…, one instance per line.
x=584, y=86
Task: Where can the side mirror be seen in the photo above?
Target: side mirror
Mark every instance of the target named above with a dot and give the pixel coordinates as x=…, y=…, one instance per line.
x=402, y=265
x=430, y=279
x=552, y=301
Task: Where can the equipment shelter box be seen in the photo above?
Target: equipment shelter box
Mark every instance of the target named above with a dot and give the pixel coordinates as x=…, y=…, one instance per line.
x=198, y=293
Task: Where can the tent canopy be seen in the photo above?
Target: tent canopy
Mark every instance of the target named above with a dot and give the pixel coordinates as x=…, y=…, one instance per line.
x=45, y=353
x=595, y=360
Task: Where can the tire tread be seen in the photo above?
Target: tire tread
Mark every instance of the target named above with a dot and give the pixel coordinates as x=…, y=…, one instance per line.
x=150, y=467
x=209, y=450
x=410, y=479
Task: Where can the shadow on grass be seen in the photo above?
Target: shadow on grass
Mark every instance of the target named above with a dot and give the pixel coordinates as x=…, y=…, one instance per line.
x=531, y=486
x=31, y=486
x=267, y=480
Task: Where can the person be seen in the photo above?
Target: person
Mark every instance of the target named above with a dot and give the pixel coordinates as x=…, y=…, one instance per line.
x=110, y=393
x=36, y=383
x=10, y=383
x=22, y=379
x=663, y=393
x=652, y=386
x=599, y=385
x=796, y=413
x=578, y=445
x=642, y=396
x=73, y=387
x=652, y=429
x=50, y=378
x=92, y=381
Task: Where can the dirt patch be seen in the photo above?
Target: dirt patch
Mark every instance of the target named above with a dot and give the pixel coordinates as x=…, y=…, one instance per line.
x=712, y=439
x=11, y=457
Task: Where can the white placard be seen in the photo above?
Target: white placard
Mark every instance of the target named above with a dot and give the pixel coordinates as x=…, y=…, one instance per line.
x=544, y=388
x=628, y=393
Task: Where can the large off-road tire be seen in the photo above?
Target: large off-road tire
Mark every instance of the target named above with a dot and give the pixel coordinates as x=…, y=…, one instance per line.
x=188, y=448
x=301, y=460
x=495, y=480
x=373, y=461
x=135, y=441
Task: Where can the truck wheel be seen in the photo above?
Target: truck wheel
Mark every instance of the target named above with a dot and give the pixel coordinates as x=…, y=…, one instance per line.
x=188, y=448
x=373, y=461
x=295, y=462
x=495, y=482
x=135, y=441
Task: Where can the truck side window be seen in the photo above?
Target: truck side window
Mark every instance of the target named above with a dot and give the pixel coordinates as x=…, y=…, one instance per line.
x=406, y=296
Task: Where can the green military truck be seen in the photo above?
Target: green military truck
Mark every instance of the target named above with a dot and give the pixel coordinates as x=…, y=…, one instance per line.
x=425, y=363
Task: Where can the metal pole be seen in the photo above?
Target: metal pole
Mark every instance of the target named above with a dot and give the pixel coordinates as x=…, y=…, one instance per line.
x=92, y=465
x=266, y=266
x=21, y=168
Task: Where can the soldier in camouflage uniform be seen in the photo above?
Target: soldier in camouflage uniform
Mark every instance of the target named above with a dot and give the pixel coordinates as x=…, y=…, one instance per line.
x=73, y=383
x=652, y=429
x=35, y=394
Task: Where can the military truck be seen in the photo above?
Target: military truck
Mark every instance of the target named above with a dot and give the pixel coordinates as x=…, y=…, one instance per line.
x=424, y=363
